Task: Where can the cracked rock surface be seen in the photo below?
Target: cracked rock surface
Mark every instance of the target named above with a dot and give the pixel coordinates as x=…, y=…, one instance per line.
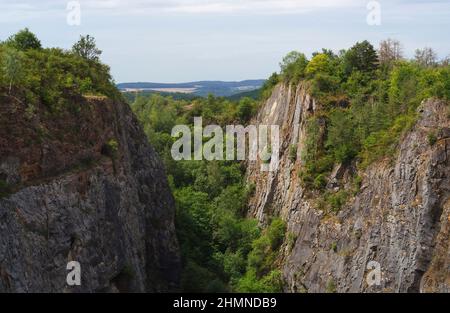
x=83, y=186
x=400, y=218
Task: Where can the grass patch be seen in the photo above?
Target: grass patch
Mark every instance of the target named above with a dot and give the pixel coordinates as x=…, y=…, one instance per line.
x=432, y=138
x=336, y=200
x=331, y=286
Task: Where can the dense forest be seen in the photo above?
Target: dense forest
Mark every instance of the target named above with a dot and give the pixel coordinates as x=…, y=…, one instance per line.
x=368, y=99
x=222, y=250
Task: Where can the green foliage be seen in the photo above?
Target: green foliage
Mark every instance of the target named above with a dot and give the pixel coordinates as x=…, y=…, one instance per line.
x=432, y=139
x=12, y=67
x=333, y=247
x=322, y=85
x=312, y=144
x=197, y=278
x=50, y=76
x=87, y=49
x=271, y=283
x=341, y=135
x=381, y=143
x=337, y=200
x=291, y=239
x=425, y=57
x=261, y=276
x=362, y=110
x=267, y=88
x=246, y=109
x=293, y=67
x=316, y=163
x=361, y=57
x=357, y=181
x=293, y=153
x=257, y=259
x=320, y=181
x=402, y=91
x=217, y=241
x=275, y=233
x=331, y=286
x=24, y=40
x=111, y=148
x=314, y=172
x=319, y=64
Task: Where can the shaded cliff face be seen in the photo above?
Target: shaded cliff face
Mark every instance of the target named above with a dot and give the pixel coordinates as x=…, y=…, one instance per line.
x=83, y=185
x=400, y=218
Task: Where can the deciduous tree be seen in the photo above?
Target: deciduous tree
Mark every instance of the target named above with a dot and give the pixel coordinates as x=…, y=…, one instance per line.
x=24, y=40
x=12, y=66
x=390, y=51
x=87, y=48
x=426, y=57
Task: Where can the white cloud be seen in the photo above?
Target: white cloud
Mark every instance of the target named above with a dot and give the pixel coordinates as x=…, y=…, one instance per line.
x=225, y=6
x=178, y=6
x=23, y=9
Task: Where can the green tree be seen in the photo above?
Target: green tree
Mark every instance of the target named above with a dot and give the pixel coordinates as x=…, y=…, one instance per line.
x=402, y=89
x=24, y=40
x=276, y=232
x=12, y=67
x=361, y=57
x=293, y=66
x=267, y=88
x=341, y=136
x=87, y=48
x=245, y=109
x=320, y=63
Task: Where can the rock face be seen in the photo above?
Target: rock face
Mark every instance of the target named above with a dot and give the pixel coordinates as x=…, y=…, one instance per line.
x=399, y=221
x=83, y=185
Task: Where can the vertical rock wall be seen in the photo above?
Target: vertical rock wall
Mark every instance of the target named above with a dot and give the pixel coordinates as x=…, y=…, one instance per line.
x=400, y=217
x=83, y=186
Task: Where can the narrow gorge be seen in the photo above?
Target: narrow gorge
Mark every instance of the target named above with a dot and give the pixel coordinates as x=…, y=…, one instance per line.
x=91, y=180
x=99, y=195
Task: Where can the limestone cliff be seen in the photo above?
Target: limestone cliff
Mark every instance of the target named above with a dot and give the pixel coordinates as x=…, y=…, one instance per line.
x=79, y=182
x=400, y=218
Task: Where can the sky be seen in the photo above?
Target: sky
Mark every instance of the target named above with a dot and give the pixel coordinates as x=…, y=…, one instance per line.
x=190, y=40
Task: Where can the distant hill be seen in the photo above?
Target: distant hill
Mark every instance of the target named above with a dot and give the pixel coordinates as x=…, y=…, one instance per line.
x=200, y=88
x=130, y=96
x=254, y=94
